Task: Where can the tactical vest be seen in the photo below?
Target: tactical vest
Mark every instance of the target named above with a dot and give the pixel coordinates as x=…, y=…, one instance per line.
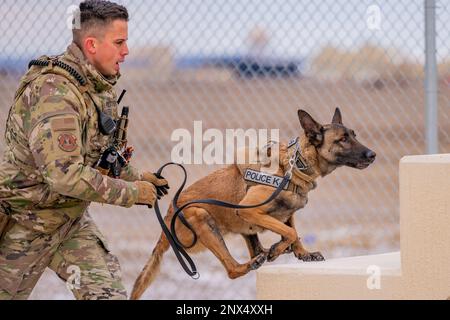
x=93, y=141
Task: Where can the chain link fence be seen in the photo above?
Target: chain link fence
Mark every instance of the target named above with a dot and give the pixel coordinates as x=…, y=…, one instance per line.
x=252, y=64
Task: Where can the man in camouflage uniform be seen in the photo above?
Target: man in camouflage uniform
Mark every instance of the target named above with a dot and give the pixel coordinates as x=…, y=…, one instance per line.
x=48, y=176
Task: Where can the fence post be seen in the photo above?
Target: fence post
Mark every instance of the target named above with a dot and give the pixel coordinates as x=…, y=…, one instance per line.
x=431, y=106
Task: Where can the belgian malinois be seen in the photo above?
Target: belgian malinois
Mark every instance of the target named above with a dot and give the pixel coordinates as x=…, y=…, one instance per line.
x=319, y=150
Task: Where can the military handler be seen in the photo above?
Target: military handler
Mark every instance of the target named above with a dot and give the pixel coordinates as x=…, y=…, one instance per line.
x=48, y=178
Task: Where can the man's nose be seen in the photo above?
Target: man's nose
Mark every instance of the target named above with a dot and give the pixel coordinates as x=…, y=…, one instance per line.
x=125, y=50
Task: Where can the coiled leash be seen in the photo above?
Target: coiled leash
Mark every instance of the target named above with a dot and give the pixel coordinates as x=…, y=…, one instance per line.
x=177, y=246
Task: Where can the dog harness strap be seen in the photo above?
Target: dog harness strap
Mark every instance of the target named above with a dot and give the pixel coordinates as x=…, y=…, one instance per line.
x=294, y=188
x=254, y=177
x=292, y=142
x=303, y=176
x=299, y=161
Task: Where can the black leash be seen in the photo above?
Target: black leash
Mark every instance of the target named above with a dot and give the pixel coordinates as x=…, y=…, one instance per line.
x=177, y=246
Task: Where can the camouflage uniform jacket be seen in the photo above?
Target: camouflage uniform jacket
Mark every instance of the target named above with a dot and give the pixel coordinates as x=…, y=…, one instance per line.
x=53, y=143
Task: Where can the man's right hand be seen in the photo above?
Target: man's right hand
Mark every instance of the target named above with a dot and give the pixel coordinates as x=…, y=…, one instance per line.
x=146, y=193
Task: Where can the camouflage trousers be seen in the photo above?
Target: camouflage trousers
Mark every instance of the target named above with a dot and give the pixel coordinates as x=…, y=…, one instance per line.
x=76, y=251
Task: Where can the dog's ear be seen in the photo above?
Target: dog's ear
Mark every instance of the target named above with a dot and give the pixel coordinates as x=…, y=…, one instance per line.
x=313, y=130
x=337, y=118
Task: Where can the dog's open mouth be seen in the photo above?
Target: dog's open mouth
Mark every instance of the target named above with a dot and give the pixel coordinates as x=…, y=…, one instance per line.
x=363, y=165
x=360, y=165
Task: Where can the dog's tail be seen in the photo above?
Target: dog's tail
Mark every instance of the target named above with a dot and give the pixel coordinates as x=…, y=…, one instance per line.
x=151, y=268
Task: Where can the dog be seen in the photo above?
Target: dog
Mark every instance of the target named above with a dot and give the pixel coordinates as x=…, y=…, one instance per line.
x=317, y=152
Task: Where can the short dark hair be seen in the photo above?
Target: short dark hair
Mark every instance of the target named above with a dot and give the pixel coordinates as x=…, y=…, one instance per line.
x=95, y=15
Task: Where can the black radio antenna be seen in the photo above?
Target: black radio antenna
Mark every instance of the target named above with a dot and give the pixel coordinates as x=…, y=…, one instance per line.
x=121, y=96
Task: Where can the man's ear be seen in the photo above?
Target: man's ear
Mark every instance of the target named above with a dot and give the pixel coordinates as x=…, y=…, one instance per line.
x=90, y=45
x=337, y=118
x=313, y=130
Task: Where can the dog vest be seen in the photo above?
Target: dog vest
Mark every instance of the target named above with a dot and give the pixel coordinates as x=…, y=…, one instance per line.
x=253, y=177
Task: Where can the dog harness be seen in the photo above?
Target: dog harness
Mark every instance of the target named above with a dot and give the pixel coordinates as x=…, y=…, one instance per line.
x=297, y=166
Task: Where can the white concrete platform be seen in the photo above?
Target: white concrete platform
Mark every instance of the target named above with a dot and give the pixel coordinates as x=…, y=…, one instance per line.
x=420, y=271
x=388, y=264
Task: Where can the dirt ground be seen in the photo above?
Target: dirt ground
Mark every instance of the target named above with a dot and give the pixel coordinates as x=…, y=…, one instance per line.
x=351, y=212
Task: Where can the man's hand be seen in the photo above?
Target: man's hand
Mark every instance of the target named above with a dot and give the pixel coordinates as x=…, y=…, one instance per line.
x=160, y=183
x=146, y=193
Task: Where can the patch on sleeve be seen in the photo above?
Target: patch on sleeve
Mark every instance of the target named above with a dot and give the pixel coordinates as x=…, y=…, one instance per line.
x=64, y=124
x=67, y=142
x=66, y=135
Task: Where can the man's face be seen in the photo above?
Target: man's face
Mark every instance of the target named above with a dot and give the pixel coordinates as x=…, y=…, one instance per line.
x=112, y=49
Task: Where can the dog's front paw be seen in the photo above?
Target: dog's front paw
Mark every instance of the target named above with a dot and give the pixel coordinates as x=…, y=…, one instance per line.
x=311, y=256
x=258, y=261
x=288, y=250
x=273, y=253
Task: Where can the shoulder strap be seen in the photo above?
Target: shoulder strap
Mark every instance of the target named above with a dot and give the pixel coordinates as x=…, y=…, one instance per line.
x=54, y=64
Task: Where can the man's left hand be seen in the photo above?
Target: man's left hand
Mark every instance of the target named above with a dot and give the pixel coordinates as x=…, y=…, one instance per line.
x=160, y=183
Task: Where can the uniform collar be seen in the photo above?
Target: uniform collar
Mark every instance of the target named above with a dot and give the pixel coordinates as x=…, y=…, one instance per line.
x=98, y=81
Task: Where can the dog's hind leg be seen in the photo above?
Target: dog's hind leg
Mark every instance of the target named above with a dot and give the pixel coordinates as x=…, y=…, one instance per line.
x=209, y=235
x=254, y=245
x=151, y=268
